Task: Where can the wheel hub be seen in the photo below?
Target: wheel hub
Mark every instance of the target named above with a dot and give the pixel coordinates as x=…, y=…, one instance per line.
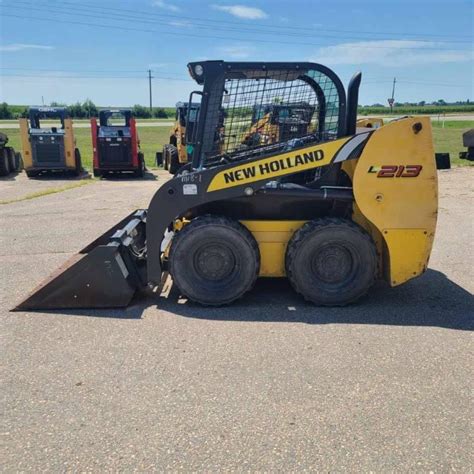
x=214, y=262
x=332, y=264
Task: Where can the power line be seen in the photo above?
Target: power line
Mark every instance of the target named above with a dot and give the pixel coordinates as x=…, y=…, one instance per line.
x=113, y=15
x=61, y=76
x=173, y=79
x=173, y=33
x=149, y=13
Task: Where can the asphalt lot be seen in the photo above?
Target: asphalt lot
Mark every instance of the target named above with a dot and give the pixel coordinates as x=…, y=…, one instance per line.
x=269, y=383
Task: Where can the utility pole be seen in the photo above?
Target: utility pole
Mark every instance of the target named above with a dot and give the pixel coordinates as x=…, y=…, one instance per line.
x=150, y=77
x=391, y=101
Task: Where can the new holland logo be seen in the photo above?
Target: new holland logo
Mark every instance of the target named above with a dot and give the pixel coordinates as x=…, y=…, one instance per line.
x=280, y=164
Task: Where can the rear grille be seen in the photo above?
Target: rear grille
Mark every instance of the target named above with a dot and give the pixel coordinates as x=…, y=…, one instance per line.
x=48, y=153
x=114, y=155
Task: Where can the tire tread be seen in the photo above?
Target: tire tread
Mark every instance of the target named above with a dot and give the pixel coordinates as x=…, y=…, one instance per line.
x=312, y=226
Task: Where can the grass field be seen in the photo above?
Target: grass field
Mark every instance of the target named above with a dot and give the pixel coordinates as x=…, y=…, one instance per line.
x=447, y=140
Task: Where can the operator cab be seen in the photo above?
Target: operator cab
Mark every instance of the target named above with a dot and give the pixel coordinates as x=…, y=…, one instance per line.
x=306, y=102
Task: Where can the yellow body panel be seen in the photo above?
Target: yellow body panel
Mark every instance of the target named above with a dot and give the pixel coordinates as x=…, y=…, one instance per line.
x=272, y=238
x=177, y=134
x=402, y=207
x=69, y=144
x=25, y=144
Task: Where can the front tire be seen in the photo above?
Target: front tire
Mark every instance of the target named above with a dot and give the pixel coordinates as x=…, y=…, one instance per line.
x=140, y=172
x=331, y=262
x=214, y=260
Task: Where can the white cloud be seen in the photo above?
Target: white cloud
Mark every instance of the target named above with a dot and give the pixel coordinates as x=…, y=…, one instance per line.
x=165, y=5
x=394, y=53
x=181, y=23
x=23, y=46
x=236, y=51
x=241, y=11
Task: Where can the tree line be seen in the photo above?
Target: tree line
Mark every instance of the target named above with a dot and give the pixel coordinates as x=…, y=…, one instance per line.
x=84, y=110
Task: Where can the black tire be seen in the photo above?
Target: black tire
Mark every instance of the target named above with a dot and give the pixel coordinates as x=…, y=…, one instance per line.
x=140, y=172
x=214, y=260
x=331, y=262
x=165, y=157
x=159, y=158
x=97, y=173
x=18, y=161
x=174, y=164
x=78, y=163
x=11, y=158
x=4, y=162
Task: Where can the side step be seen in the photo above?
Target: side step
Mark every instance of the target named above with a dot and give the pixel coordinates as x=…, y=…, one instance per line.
x=105, y=274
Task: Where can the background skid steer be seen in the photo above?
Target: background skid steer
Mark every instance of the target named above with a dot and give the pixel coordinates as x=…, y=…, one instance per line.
x=332, y=209
x=175, y=154
x=49, y=148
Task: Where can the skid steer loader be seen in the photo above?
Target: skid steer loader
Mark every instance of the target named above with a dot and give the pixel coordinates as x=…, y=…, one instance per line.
x=273, y=123
x=49, y=148
x=115, y=144
x=175, y=154
x=332, y=210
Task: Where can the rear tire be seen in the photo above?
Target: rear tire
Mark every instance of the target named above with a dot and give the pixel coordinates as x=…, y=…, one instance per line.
x=214, y=260
x=4, y=162
x=18, y=161
x=140, y=172
x=78, y=163
x=331, y=262
x=174, y=164
x=32, y=174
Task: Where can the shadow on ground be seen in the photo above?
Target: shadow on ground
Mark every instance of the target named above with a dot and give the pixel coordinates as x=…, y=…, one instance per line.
x=431, y=300
x=148, y=175
x=60, y=176
x=10, y=177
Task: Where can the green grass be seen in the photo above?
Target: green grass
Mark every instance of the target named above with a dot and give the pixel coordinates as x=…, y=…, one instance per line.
x=465, y=124
x=416, y=109
x=46, y=192
x=152, y=139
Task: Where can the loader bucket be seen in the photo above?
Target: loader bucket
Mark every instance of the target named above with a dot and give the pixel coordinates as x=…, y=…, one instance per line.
x=105, y=274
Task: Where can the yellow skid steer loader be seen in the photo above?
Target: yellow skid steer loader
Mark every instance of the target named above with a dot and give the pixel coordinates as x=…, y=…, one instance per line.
x=332, y=209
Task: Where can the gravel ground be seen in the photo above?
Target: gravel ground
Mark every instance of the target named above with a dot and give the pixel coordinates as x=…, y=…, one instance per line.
x=269, y=383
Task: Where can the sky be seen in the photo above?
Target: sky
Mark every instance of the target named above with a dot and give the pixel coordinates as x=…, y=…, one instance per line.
x=71, y=50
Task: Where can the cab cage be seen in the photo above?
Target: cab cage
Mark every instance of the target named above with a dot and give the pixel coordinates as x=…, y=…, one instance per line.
x=186, y=112
x=105, y=115
x=36, y=114
x=232, y=90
